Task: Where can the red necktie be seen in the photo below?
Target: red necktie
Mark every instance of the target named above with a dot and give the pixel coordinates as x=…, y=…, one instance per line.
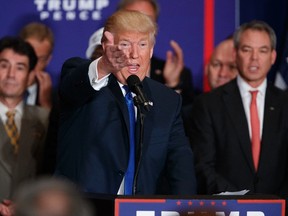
x=255, y=128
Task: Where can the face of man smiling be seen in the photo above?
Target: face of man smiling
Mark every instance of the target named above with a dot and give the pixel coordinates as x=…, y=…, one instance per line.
x=14, y=70
x=138, y=47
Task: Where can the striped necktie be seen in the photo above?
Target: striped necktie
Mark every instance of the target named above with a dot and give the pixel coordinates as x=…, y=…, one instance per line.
x=12, y=131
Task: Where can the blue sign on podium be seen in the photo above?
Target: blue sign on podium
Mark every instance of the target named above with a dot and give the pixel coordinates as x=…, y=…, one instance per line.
x=183, y=207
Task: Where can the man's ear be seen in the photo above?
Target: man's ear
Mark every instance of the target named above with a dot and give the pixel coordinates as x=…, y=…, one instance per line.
x=274, y=55
x=151, y=52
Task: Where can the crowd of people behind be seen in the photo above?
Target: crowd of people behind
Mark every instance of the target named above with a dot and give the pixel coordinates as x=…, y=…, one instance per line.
x=93, y=137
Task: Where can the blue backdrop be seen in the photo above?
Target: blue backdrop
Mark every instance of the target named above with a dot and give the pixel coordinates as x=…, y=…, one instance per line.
x=275, y=13
x=73, y=21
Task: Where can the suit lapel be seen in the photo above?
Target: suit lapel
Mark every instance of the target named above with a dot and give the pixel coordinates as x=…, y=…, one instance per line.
x=31, y=137
x=271, y=124
x=271, y=111
x=24, y=145
x=117, y=94
x=148, y=120
x=233, y=102
x=7, y=158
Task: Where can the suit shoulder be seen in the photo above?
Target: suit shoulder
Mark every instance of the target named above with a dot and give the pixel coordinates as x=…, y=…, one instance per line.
x=274, y=89
x=211, y=95
x=215, y=96
x=37, y=113
x=162, y=95
x=75, y=62
x=76, y=59
x=280, y=96
x=37, y=109
x=159, y=88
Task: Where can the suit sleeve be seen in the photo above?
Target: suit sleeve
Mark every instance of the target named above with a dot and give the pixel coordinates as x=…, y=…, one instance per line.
x=204, y=144
x=75, y=88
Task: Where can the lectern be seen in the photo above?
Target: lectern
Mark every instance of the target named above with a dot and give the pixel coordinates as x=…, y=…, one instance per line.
x=247, y=205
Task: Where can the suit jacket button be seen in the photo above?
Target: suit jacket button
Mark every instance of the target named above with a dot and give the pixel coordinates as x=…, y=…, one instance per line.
x=120, y=173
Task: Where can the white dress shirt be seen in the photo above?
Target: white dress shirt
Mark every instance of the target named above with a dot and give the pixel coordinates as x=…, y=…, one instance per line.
x=246, y=99
x=96, y=83
x=32, y=90
x=18, y=114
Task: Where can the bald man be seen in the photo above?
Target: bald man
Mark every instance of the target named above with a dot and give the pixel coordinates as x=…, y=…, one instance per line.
x=221, y=67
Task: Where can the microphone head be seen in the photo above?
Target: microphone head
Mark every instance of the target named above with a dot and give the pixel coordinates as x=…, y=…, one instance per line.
x=133, y=81
x=135, y=85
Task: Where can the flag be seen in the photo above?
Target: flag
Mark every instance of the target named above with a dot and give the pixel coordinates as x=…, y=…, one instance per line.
x=281, y=79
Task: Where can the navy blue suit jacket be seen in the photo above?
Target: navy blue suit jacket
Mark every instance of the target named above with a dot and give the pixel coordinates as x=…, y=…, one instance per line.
x=94, y=143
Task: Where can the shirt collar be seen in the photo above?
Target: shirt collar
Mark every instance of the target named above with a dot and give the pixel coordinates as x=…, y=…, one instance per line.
x=245, y=88
x=33, y=88
x=123, y=90
x=19, y=109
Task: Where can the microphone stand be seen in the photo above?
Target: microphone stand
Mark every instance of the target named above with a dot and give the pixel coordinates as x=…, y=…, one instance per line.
x=139, y=153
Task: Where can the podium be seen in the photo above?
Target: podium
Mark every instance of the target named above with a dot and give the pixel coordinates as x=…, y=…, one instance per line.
x=246, y=205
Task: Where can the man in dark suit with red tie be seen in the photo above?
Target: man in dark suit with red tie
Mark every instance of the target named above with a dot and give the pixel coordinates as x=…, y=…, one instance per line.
x=95, y=131
x=241, y=142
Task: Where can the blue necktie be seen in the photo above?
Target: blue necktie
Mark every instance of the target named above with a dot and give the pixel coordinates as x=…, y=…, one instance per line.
x=129, y=175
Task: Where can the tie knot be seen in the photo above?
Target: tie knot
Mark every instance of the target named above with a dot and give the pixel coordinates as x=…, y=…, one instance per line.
x=126, y=88
x=10, y=114
x=128, y=94
x=253, y=93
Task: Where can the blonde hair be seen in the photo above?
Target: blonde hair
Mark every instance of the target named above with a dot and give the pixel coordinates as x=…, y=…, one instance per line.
x=38, y=31
x=125, y=3
x=131, y=21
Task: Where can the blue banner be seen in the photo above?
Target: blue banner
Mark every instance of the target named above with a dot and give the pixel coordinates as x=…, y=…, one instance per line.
x=219, y=207
x=73, y=21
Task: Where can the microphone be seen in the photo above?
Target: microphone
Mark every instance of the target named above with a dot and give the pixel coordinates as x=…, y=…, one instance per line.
x=135, y=85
